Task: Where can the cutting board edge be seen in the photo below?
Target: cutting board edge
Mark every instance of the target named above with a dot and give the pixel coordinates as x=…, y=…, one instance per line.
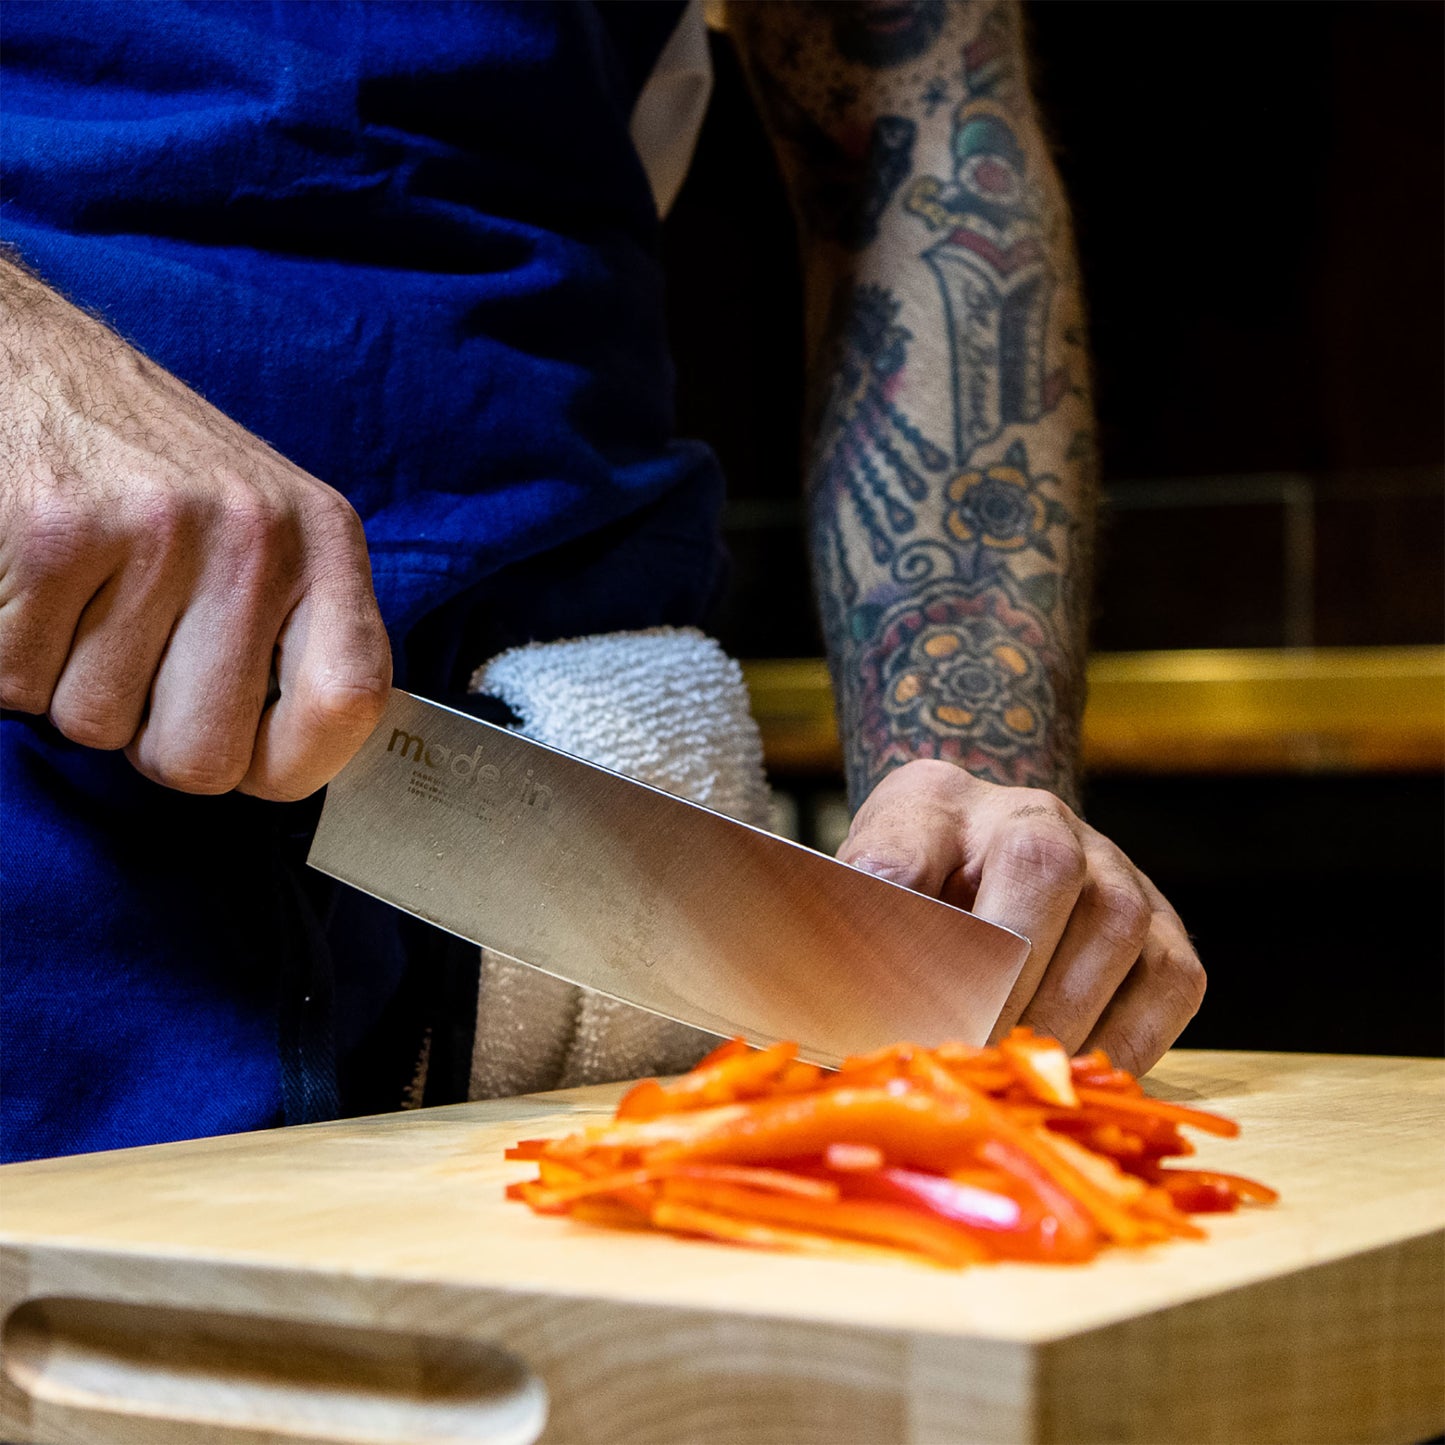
x=207, y=1269
x=1041, y=1392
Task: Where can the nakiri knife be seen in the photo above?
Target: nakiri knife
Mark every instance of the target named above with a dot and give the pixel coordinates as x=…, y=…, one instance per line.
x=617, y=886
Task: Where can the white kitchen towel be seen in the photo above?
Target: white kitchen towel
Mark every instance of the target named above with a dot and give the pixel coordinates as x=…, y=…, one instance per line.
x=669, y=707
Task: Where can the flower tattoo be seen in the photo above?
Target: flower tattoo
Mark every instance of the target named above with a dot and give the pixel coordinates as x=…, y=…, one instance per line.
x=961, y=665
x=995, y=507
x=1002, y=508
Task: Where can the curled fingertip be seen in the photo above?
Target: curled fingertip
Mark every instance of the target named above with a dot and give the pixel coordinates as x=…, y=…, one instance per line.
x=894, y=869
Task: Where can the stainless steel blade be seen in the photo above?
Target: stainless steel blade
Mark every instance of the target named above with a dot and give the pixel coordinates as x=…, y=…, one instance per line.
x=614, y=885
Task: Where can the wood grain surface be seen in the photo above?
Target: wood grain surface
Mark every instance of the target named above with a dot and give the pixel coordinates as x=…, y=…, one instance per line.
x=365, y=1281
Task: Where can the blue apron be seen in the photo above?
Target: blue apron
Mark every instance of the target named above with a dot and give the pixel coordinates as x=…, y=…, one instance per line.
x=411, y=246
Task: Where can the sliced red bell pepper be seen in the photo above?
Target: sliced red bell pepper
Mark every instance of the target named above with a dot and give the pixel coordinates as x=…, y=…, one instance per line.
x=1042, y=1067
x=876, y=1222
x=983, y=1209
x=853, y=1158
x=1145, y=1107
x=948, y=1156
x=731, y=1075
x=1206, y=1191
x=553, y=1197
x=1062, y=1230
x=909, y=1126
x=673, y=1215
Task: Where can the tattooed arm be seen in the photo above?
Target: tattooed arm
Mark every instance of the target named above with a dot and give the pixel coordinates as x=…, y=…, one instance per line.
x=951, y=490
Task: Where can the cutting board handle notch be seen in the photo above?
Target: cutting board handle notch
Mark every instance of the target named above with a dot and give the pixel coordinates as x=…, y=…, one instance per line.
x=89, y=1360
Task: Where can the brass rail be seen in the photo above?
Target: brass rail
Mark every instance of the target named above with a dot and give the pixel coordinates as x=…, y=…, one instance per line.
x=1343, y=709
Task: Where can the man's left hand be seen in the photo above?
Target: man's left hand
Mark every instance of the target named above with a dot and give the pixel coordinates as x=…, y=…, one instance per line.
x=1111, y=965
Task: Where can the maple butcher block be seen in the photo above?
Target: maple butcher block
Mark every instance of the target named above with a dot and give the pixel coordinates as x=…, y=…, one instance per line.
x=366, y=1281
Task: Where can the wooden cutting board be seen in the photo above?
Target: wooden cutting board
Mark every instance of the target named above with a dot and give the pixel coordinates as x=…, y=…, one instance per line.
x=365, y=1281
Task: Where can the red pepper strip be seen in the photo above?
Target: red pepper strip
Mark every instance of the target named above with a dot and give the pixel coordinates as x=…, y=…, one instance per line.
x=538, y=1198
x=1098, y=1202
x=853, y=1158
x=1116, y=1142
x=1197, y=1196
x=1235, y=1185
x=875, y=1070
x=769, y=1180
x=527, y=1149
x=991, y=1080
x=1251, y=1189
x=556, y=1175
x=635, y=1134
x=895, y=1056
x=1042, y=1067
x=1155, y=1138
x=1107, y=1213
x=924, y=1069
x=963, y=1203
x=1095, y=1071
x=981, y=1069
x=609, y=1212
x=877, y=1223
x=730, y=1049
x=982, y=1177
x=953, y=1054
x=798, y=1078
x=689, y=1219
x=1155, y=1203
x=1100, y=1171
x=644, y=1100
x=1159, y=1109
x=1062, y=1230
x=1121, y=1145
x=909, y=1126
x=733, y=1077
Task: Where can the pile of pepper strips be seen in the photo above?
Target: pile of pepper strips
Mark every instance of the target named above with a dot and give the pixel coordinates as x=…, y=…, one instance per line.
x=950, y=1156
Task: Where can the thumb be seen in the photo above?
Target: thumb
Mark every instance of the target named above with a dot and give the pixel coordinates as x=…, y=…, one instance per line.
x=910, y=828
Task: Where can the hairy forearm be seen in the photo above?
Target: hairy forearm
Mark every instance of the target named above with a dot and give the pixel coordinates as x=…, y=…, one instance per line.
x=951, y=458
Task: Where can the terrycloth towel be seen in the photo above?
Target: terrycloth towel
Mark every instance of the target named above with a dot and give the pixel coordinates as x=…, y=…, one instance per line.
x=670, y=708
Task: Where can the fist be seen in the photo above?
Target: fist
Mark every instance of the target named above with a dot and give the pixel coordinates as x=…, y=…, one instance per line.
x=1111, y=965
x=159, y=566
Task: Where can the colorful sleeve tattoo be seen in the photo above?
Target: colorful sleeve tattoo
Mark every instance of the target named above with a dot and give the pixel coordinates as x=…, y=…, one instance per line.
x=951, y=456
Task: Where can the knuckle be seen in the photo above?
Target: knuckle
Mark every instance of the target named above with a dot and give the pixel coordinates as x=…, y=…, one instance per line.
x=930, y=773
x=335, y=525
x=1047, y=857
x=1180, y=971
x=93, y=722
x=1036, y=803
x=348, y=703
x=261, y=554
x=195, y=773
x=1121, y=912
x=20, y=692
x=52, y=540
x=922, y=786
x=163, y=515
x=257, y=525
x=28, y=673
x=278, y=790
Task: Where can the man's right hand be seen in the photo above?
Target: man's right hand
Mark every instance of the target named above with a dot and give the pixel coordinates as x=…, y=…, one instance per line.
x=157, y=561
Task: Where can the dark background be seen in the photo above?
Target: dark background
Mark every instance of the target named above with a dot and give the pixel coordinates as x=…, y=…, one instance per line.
x=1258, y=197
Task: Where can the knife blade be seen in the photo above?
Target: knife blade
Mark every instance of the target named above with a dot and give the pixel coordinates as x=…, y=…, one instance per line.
x=617, y=886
